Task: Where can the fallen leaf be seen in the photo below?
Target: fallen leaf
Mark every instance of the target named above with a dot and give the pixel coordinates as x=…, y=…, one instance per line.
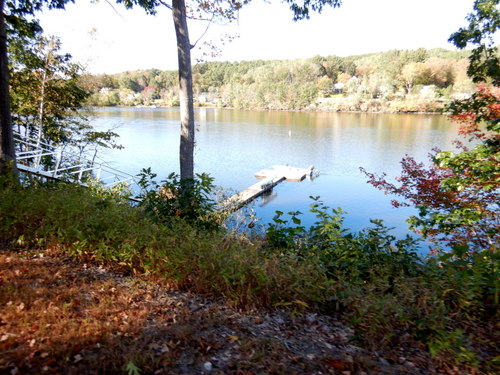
x=336, y=364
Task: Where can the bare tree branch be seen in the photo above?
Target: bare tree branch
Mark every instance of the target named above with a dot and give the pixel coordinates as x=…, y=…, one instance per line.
x=114, y=9
x=206, y=30
x=165, y=4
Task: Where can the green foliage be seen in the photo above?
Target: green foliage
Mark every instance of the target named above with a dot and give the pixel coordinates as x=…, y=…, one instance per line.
x=128, y=84
x=472, y=176
x=132, y=369
x=44, y=90
x=280, y=235
x=47, y=99
x=465, y=208
x=45, y=94
x=484, y=23
x=458, y=197
x=188, y=199
x=78, y=221
x=120, y=192
x=474, y=278
x=297, y=84
x=105, y=99
x=458, y=205
x=105, y=228
x=454, y=344
x=371, y=254
x=301, y=10
x=382, y=286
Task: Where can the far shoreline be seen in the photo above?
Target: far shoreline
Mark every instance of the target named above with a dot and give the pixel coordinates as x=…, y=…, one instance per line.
x=305, y=110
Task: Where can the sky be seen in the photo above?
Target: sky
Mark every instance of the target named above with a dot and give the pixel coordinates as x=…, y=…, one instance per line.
x=107, y=38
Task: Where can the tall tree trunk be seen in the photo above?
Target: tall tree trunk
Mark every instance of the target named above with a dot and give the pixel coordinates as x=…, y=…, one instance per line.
x=7, y=149
x=185, y=89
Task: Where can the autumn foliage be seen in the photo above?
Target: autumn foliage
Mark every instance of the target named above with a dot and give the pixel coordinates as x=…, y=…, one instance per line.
x=457, y=195
x=483, y=108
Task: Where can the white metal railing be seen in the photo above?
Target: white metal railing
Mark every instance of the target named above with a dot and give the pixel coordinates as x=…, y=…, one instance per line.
x=67, y=165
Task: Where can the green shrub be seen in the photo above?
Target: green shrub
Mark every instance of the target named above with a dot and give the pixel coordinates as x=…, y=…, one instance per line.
x=188, y=199
x=371, y=253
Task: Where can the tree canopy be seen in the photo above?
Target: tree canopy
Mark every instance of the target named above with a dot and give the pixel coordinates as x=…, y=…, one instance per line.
x=484, y=23
x=458, y=195
x=324, y=82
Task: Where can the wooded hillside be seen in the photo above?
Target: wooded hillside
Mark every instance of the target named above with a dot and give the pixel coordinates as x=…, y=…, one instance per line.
x=392, y=81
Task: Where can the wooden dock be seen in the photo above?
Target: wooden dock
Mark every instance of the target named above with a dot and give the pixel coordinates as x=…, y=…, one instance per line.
x=269, y=179
x=289, y=173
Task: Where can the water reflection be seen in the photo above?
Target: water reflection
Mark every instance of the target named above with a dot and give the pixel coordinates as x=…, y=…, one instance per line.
x=231, y=145
x=267, y=197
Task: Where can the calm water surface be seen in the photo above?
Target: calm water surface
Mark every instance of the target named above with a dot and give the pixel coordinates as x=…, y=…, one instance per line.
x=231, y=145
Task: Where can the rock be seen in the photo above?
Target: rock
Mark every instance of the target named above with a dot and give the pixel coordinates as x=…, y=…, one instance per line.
x=311, y=318
x=207, y=366
x=279, y=320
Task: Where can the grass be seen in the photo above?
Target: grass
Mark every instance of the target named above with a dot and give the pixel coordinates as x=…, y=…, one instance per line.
x=429, y=308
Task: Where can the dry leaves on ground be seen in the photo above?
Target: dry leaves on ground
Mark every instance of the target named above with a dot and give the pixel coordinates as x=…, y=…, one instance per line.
x=63, y=316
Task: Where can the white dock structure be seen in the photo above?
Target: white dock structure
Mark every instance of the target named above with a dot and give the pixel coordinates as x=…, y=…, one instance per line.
x=289, y=173
x=269, y=179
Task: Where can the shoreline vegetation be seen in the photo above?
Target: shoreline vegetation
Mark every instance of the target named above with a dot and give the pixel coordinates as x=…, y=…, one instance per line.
x=344, y=105
x=397, y=81
x=190, y=297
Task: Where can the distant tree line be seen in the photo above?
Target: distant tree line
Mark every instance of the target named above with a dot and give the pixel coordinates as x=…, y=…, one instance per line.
x=392, y=81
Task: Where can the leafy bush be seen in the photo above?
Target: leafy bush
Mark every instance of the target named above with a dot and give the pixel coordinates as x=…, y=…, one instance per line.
x=474, y=279
x=189, y=199
x=344, y=255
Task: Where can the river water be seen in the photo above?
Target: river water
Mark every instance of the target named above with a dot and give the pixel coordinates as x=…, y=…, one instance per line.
x=231, y=145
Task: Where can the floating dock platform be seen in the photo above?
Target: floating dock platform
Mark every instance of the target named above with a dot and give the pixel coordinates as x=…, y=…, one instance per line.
x=289, y=173
x=269, y=179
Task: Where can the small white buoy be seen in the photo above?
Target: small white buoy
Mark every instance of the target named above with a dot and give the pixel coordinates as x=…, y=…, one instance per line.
x=289, y=133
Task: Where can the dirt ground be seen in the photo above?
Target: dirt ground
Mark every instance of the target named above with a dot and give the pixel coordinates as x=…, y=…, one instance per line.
x=62, y=316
